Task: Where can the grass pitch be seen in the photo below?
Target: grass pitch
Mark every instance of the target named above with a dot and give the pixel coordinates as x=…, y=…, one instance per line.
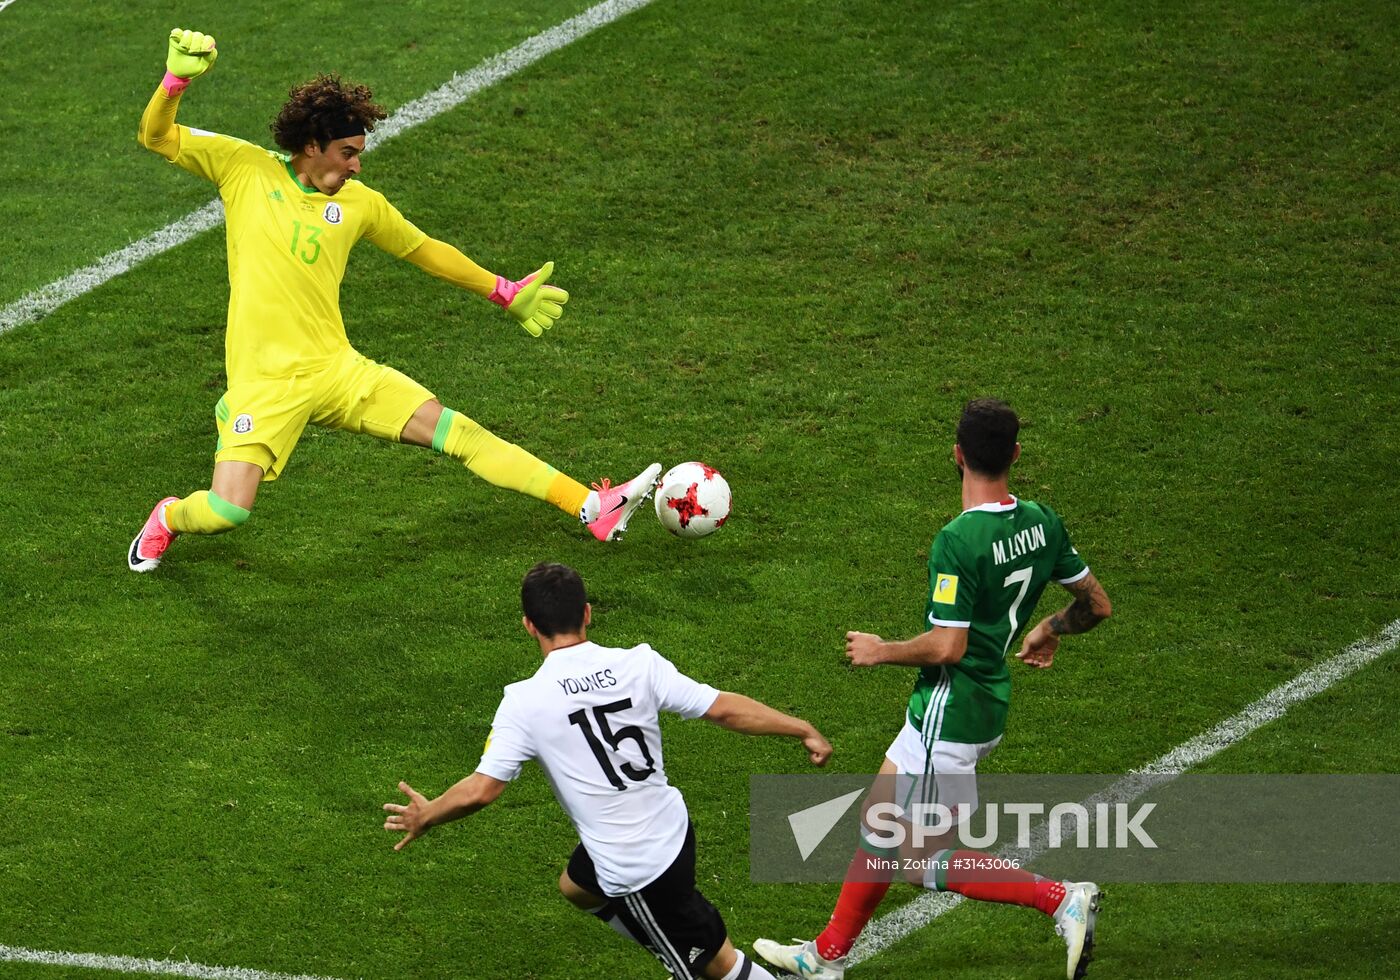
x=798, y=236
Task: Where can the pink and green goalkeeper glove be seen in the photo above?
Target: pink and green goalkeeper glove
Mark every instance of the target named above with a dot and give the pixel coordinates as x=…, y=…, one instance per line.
x=532, y=301
x=191, y=54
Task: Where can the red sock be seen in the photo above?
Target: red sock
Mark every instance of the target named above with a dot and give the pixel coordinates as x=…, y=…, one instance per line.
x=859, y=898
x=977, y=875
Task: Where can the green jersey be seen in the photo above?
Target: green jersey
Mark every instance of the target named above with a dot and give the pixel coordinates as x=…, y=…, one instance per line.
x=986, y=572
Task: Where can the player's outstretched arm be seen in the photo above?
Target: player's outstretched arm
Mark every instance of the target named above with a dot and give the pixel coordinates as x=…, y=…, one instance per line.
x=420, y=814
x=940, y=645
x=449, y=264
x=189, y=54
x=743, y=714
x=533, y=303
x=1089, y=608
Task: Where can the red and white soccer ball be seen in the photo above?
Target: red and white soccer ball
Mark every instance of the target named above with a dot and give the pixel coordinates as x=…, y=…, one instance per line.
x=692, y=500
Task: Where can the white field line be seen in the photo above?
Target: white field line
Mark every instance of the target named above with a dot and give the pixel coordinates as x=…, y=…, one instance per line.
x=5, y=3
x=889, y=929
x=133, y=964
x=44, y=300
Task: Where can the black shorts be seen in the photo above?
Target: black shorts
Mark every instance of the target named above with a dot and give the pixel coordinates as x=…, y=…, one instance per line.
x=668, y=916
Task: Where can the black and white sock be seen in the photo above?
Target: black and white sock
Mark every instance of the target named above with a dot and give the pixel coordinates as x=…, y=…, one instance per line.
x=747, y=969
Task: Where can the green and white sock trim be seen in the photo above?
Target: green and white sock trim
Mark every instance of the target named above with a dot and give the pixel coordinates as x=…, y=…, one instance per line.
x=936, y=871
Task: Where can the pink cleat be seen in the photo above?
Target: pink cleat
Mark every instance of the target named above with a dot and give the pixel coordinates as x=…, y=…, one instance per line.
x=154, y=538
x=608, y=508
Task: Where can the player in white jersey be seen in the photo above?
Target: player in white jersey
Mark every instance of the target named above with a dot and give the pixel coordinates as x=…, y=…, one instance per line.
x=589, y=717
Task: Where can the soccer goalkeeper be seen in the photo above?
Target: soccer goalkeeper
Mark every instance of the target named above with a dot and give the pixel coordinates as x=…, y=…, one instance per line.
x=292, y=219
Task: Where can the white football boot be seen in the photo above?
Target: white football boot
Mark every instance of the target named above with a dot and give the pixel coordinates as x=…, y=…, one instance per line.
x=1074, y=923
x=801, y=960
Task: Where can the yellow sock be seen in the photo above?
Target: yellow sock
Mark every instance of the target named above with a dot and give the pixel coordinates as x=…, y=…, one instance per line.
x=204, y=512
x=505, y=464
x=567, y=494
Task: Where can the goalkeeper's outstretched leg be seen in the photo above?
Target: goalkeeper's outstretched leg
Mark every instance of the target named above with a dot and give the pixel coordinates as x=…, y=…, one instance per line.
x=604, y=510
x=227, y=504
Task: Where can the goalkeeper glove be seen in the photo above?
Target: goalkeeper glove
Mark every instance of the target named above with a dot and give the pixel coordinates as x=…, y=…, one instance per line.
x=532, y=301
x=191, y=54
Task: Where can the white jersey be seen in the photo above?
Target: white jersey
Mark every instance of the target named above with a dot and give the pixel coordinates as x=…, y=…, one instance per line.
x=589, y=715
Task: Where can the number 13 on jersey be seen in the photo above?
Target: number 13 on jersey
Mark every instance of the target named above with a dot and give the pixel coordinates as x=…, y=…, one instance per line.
x=311, y=248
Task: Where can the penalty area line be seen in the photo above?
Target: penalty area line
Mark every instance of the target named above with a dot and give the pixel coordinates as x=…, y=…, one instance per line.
x=44, y=300
x=889, y=929
x=135, y=964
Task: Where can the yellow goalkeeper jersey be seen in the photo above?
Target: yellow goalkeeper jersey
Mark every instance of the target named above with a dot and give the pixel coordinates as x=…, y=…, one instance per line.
x=287, y=249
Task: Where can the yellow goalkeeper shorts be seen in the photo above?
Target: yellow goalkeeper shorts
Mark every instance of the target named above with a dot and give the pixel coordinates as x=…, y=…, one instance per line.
x=260, y=421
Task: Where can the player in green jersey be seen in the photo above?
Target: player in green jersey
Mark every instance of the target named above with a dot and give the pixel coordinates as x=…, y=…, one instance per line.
x=987, y=569
x=292, y=220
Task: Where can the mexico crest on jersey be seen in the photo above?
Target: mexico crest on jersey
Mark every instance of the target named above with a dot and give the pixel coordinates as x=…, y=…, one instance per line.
x=333, y=214
x=243, y=424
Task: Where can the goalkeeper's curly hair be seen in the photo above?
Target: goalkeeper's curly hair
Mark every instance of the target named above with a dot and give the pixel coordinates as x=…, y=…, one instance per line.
x=319, y=107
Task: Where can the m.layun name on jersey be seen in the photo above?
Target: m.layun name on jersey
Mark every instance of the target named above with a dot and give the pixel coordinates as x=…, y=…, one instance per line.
x=1027, y=539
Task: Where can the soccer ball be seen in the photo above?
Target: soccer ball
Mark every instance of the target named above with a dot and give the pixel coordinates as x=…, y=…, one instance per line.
x=692, y=500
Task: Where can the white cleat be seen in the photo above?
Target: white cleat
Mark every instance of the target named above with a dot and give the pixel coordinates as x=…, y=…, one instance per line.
x=1074, y=923
x=801, y=960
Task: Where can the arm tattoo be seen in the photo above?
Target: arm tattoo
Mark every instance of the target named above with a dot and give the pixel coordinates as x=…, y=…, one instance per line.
x=1085, y=612
x=1077, y=617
